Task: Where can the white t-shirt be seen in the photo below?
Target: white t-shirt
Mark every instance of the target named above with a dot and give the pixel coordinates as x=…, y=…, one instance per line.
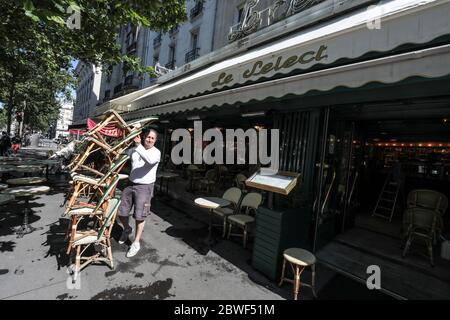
x=144, y=163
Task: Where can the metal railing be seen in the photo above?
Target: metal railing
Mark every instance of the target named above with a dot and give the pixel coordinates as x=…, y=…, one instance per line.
x=192, y=55
x=196, y=10
x=157, y=40
x=170, y=65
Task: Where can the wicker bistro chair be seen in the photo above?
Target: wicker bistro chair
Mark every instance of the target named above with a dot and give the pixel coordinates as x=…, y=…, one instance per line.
x=209, y=181
x=422, y=226
x=239, y=181
x=95, y=142
x=82, y=210
x=112, y=151
x=425, y=199
x=81, y=183
x=250, y=204
x=100, y=236
x=234, y=196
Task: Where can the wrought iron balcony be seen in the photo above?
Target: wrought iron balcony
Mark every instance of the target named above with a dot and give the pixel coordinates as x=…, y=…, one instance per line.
x=117, y=88
x=128, y=80
x=196, y=10
x=170, y=65
x=131, y=47
x=192, y=55
x=157, y=40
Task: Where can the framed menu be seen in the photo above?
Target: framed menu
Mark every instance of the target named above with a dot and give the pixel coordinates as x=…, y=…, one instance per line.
x=282, y=182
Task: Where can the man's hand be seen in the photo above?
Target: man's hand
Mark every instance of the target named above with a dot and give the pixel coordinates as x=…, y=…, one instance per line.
x=137, y=140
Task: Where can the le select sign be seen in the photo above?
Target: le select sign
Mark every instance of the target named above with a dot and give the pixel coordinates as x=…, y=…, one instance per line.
x=262, y=67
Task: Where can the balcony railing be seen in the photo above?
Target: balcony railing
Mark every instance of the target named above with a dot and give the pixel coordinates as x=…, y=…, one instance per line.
x=117, y=88
x=131, y=47
x=157, y=40
x=192, y=55
x=260, y=17
x=195, y=11
x=170, y=65
x=128, y=80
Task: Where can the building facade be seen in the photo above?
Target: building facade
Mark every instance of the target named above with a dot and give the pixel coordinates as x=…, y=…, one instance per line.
x=183, y=44
x=87, y=93
x=64, y=120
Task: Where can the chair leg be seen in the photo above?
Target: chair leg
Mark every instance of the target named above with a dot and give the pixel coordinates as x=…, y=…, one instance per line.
x=313, y=280
x=296, y=281
x=408, y=243
x=230, y=226
x=110, y=256
x=245, y=237
x=224, y=227
x=430, y=252
x=282, y=272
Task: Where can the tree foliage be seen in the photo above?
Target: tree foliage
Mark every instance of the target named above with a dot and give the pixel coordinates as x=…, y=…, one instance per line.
x=38, y=42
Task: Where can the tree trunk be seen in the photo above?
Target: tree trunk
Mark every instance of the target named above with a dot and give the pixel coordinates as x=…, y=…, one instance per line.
x=10, y=106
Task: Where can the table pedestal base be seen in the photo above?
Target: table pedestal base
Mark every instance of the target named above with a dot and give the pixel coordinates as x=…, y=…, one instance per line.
x=25, y=228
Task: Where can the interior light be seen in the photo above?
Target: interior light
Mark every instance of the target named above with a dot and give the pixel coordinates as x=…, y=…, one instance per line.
x=253, y=114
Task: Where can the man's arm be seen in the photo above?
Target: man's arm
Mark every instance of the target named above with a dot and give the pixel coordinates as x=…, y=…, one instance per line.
x=146, y=156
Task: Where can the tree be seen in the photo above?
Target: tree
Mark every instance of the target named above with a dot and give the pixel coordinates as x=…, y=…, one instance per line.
x=40, y=38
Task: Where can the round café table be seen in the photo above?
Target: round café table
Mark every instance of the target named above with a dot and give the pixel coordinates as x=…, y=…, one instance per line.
x=211, y=203
x=3, y=186
x=28, y=168
x=26, y=181
x=25, y=193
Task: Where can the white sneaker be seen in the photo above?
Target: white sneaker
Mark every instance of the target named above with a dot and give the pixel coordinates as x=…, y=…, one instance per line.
x=125, y=234
x=134, y=248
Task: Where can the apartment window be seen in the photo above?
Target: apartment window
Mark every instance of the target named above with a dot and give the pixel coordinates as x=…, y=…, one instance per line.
x=240, y=15
x=171, y=63
x=194, y=52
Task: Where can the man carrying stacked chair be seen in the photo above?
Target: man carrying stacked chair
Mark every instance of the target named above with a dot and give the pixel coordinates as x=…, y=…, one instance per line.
x=92, y=194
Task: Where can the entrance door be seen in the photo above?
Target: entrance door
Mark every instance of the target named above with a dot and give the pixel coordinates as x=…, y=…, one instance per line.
x=336, y=177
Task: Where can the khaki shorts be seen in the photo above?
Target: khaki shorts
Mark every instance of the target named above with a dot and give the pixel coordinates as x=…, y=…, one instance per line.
x=139, y=196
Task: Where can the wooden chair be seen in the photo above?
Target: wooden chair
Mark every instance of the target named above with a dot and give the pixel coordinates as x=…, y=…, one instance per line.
x=299, y=259
x=82, y=182
x=111, y=150
x=100, y=235
x=423, y=227
x=234, y=196
x=239, y=181
x=250, y=204
x=210, y=180
x=82, y=210
x=425, y=199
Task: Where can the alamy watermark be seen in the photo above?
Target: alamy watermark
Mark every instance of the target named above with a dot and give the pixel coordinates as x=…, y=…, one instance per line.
x=374, y=22
x=374, y=280
x=234, y=144
x=74, y=20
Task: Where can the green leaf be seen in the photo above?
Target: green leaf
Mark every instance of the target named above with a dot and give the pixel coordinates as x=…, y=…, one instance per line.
x=34, y=17
x=57, y=19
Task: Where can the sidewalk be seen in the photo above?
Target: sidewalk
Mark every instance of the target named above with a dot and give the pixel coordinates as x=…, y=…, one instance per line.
x=170, y=265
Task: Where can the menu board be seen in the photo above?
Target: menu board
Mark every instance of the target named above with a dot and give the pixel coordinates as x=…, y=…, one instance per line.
x=282, y=182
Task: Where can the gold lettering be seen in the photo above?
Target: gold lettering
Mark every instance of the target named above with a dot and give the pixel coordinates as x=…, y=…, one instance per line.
x=277, y=64
x=290, y=62
x=248, y=73
x=223, y=79
x=321, y=50
x=302, y=59
x=267, y=67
